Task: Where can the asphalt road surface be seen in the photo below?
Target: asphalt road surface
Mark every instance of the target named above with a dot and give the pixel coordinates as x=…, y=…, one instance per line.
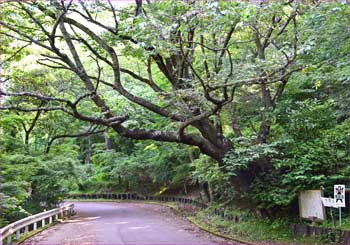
x=124, y=223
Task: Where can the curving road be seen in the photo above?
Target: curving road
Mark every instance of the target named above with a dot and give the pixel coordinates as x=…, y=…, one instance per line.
x=123, y=223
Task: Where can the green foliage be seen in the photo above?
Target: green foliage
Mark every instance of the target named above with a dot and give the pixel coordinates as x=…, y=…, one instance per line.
x=147, y=168
x=315, y=153
x=207, y=170
x=254, y=229
x=303, y=120
x=246, y=152
x=11, y=209
x=32, y=181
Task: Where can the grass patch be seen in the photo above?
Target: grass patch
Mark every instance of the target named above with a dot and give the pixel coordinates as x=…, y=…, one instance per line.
x=253, y=229
x=31, y=233
x=345, y=224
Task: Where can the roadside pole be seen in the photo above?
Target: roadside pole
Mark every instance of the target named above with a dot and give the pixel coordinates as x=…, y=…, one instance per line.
x=339, y=198
x=338, y=201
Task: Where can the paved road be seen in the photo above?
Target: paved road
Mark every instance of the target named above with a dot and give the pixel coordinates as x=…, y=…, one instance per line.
x=124, y=223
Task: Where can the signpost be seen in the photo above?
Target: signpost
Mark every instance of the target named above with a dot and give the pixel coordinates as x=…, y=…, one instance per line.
x=312, y=203
x=339, y=198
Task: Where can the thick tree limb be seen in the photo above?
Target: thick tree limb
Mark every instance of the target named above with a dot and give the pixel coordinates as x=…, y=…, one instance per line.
x=73, y=111
x=196, y=118
x=90, y=131
x=116, y=70
x=204, y=145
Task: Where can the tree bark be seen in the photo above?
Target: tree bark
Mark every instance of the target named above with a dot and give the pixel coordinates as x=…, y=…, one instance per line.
x=31, y=127
x=89, y=151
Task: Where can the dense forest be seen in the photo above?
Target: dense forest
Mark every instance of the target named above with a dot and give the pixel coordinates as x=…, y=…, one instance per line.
x=245, y=103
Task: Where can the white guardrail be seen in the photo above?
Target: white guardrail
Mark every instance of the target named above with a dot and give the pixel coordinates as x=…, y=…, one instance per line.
x=22, y=226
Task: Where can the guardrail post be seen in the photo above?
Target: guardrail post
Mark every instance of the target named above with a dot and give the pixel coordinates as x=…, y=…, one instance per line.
x=50, y=220
x=18, y=234
x=43, y=223
x=35, y=226
x=56, y=217
x=26, y=229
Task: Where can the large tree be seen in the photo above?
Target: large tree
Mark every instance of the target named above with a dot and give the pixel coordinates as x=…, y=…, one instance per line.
x=194, y=61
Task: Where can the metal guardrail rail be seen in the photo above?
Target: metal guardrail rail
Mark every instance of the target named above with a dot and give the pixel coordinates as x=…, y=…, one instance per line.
x=134, y=196
x=22, y=226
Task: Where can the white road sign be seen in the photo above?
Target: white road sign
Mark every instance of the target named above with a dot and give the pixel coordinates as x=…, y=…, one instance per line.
x=328, y=202
x=339, y=195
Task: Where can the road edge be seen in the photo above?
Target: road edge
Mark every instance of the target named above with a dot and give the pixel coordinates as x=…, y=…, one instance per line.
x=215, y=233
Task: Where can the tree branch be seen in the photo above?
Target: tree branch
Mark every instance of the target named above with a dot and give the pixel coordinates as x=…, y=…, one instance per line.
x=149, y=82
x=169, y=136
x=17, y=52
x=32, y=125
x=89, y=132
